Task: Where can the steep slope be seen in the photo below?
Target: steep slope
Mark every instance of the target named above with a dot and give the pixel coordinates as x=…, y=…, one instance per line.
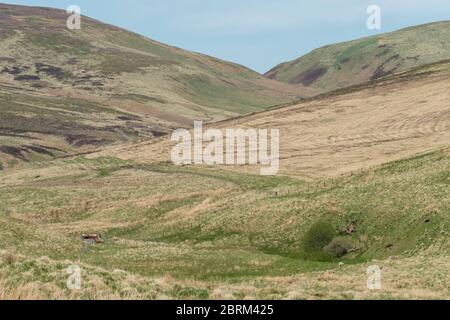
x=351, y=129
x=344, y=64
x=65, y=91
x=36, y=126
x=38, y=51
x=222, y=232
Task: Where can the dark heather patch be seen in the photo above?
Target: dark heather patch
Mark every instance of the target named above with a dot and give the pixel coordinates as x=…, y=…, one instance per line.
x=13, y=151
x=310, y=76
x=158, y=134
x=7, y=59
x=97, y=83
x=40, y=85
x=128, y=118
x=79, y=140
x=51, y=71
x=12, y=133
x=39, y=150
x=140, y=98
x=27, y=78
x=14, y=70
x=381, y=72
x=382, y=53
x=51, y=148
x=87, y=77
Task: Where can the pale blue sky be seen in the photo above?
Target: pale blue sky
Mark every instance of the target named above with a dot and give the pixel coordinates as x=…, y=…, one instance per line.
x=256, y=33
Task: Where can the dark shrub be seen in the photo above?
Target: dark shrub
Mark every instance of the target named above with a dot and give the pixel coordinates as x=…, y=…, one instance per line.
x=318, y=236
x=338, y=247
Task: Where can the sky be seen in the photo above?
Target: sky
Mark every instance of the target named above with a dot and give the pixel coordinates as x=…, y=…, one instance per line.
x=258, y=34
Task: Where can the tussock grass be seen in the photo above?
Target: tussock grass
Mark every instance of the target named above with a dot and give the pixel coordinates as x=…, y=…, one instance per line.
x=214, y=232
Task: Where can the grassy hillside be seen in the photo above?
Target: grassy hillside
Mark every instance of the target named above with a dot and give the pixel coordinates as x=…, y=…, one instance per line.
x=344, y=64
x=37, y=126
x=77, y=89
x=219, y=232
x=364, y=175
x=103, y=61
x=344, y=131
x=241, y=237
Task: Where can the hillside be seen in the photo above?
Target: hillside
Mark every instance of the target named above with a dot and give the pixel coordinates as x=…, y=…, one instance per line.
x=241, y=235
x=349, y=63
x=347, y=130
x=364, y=176
x=64, y=91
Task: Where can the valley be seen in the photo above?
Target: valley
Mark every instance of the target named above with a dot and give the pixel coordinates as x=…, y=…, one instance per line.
x=85, y=151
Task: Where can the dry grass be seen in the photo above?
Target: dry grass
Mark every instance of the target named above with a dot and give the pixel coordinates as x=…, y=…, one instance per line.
x=344, y=133
x=214, y=234
x=220, y=233
x=399, y=275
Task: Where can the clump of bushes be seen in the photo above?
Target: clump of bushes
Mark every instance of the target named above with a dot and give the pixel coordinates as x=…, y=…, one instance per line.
x=190, y=293
x=321, y=242
x=318, y=236
x=338, y=247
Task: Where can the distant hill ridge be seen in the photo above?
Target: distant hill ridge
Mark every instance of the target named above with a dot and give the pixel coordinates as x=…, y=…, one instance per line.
x=354, y=62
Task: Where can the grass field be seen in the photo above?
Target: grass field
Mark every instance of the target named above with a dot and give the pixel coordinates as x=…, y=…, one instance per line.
x=226, y=232
x=213, y=233
x=364, y=175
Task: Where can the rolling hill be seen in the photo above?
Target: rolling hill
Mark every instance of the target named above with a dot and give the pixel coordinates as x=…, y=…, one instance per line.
x=349, y=63
x=239, y=237
x=199, y=232
x=64, y=91
x=346, y=130
x=372, y=162
x=369, y=164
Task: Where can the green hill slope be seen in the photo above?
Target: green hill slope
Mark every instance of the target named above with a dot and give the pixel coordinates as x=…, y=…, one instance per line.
x=349, y=63
x=38, y=51
x=64, y=91
x=234, y=236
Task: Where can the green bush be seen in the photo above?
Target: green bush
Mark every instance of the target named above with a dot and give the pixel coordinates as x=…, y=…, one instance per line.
x=103, y=172
x=338, y=247
x=318, y=236
x=190, y=293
